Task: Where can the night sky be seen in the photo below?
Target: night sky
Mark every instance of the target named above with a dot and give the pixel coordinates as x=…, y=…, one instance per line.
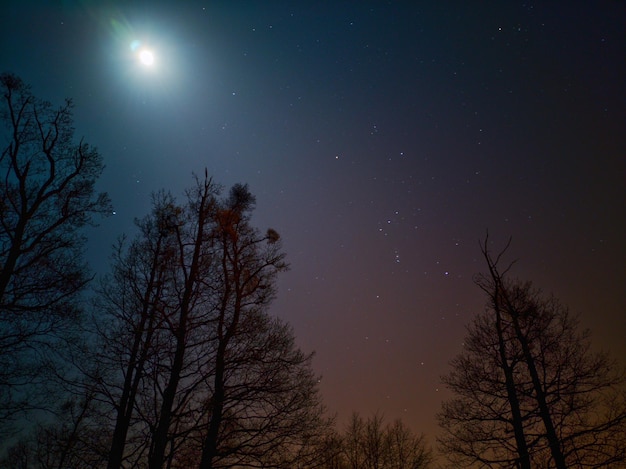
x=382, y=140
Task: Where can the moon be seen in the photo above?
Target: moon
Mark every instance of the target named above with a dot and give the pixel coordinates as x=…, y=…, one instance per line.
x=146, y=57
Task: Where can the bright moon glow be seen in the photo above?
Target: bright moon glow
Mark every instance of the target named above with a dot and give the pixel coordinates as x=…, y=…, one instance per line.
x=146, y=57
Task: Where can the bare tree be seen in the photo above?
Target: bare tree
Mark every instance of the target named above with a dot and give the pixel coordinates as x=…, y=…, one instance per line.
x=248, y=347
x=197, y=372
x=405, y=450
x=529, y=389
x=191, y=259
x=46, y=195
x=483, y=423
x=370, y=444
x=327, y=451
x=132, y=299
x=156, y=318
x=271, y=409
x=353, y=442
x=69, y=439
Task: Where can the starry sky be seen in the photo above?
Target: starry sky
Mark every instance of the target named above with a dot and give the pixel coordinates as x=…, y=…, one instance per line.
x=382, y=140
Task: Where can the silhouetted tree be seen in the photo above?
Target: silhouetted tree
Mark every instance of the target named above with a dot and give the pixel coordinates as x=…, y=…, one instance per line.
x=327, y=451
x=405, y=450
x=263, y=389
x=370, y=444
x=132, y=299
x=528, y=389
x=353, y=442
x=46, y=195
x=195, y=369
x=191, y=258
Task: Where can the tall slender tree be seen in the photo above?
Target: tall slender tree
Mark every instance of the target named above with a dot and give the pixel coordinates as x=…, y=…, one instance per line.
x=47, y=195
x=190, y=259
x=569, y=406
x=245, y=276
x=132, y=297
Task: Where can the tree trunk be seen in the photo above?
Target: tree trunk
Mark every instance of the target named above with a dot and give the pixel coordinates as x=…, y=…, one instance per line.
x=518, y=428
x=159, y=438
x=6, y=270
x=225, y=333
x=209, y=448
x=135, y=369
x=511, y=390
x=544, y=411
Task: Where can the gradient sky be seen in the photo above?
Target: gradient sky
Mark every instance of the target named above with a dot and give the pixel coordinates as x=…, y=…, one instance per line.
x=382, y=140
